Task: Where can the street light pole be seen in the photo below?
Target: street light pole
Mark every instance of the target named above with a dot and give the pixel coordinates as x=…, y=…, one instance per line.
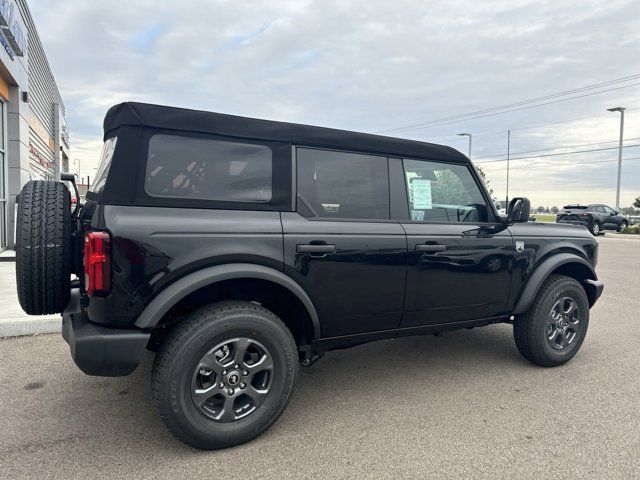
x=508, y=158
x=470, y=137
x=621, y=110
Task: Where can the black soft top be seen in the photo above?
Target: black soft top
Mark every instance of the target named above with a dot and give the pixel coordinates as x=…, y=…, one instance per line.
x=181, y=119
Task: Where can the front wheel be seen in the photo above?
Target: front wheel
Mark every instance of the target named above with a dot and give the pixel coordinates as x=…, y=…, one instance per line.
x=622, y=226
x=555, y=326
x=224, y=374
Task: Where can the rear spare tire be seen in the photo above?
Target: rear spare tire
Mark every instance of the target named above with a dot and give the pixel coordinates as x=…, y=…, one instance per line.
x=43, y=251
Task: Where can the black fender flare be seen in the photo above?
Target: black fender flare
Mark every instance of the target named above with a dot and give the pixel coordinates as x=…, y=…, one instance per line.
x=167, y=298
x=543, y=271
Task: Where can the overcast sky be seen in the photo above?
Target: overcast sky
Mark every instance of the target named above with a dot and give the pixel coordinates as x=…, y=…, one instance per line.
x=370, y=66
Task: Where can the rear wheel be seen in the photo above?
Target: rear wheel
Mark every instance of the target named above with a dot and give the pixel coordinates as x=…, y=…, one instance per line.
x=43, y=252
x=555, y=326
x=224, y=374
x=595, y=229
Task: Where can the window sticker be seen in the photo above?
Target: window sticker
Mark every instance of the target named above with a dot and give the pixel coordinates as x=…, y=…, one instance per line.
x=421, y=190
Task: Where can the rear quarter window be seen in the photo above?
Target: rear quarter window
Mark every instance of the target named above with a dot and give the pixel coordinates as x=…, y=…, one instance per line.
x=104, y=165
x=208, y=169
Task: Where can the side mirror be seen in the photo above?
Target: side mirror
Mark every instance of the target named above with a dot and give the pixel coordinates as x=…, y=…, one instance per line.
x=519, y=209
x=615, y=212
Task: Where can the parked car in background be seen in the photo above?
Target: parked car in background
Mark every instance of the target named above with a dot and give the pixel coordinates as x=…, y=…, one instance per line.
x=634, y=219
x=596, y=217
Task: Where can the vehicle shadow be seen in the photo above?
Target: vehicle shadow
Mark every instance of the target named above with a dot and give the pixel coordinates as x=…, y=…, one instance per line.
x=354, y=376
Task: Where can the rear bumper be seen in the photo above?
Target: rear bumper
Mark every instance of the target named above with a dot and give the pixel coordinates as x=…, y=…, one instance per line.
x=575, y=222
x=98, y=350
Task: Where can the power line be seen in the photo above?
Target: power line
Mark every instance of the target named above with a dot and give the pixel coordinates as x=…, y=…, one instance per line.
x=528, y=127
x=524, y=102
x=558, y=154
x=449, y=122
x=537, y=166
x=495, y=110
x=557, y=148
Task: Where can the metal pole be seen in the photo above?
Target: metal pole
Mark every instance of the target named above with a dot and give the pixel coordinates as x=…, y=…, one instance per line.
x=620, y=159
x=467, y=135
x=508, y=157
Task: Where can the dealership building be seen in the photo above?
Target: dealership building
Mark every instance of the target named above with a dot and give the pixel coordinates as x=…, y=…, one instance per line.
x=34, y=138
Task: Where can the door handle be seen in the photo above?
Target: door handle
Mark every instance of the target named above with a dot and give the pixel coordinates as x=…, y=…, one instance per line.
x=315, y=249
x=430, y=248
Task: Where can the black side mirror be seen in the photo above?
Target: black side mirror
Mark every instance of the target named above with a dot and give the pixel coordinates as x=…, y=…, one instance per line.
x=519, y=209
x=615, y=212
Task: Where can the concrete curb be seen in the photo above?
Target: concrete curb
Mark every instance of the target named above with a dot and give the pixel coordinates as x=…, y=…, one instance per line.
x=30, y=326
x=624, y=236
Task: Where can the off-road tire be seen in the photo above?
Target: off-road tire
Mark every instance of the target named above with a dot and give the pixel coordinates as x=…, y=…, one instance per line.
x=192, y=338
x=43, y=247
x=596, y=229
x=529, y=330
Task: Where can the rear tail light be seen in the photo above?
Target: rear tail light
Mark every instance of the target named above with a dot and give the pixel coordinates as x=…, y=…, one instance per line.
x=585, y=215
x=97, y=263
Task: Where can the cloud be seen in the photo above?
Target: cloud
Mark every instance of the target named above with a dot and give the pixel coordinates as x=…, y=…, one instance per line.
x=365, y=66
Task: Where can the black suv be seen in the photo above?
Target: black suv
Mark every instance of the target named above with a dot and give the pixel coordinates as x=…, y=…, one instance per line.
x=237, y=248
x=596, y=217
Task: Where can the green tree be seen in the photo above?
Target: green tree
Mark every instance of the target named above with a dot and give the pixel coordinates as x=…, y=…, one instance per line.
x=554, y=209
x=484, y=178
x=540, y=209
x=449, y=189
x=636, y=203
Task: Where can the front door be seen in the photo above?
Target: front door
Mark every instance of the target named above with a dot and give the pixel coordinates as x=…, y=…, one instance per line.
x=459, y=260
x=341, y=245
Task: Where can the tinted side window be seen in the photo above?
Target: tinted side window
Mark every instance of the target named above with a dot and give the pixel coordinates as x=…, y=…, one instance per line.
x=205, y=169
x=342, y=185
x=440, y=192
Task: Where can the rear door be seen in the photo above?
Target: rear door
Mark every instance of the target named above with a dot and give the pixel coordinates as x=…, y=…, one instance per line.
x=611, y=218
x=341, y=245
x=459, y=258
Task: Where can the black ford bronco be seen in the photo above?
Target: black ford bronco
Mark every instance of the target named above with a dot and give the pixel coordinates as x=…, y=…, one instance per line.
x=237, y=248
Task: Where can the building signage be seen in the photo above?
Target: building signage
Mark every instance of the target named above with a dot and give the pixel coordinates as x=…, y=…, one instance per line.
x=64, y=132
x=39, y=157
x=11, y=27
x=40, y=130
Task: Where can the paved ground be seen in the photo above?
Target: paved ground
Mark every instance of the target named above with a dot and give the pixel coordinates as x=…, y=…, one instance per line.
x=462, y=405
x=13, y=321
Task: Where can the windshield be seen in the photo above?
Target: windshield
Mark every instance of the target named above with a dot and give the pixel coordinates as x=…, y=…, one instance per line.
x=103, y=165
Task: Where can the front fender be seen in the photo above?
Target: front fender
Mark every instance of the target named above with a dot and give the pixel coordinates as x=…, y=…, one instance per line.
x=167, y=298
x=546, y=268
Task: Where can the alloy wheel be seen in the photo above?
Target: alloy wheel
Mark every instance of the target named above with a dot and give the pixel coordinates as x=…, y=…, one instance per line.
x=232, y=380
x=563, y=323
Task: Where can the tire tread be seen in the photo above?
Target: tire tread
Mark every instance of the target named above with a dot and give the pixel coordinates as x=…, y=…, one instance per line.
x=183, y=329
x=43, y=253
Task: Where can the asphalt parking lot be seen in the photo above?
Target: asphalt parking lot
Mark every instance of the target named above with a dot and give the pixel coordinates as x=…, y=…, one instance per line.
x=461, y=405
